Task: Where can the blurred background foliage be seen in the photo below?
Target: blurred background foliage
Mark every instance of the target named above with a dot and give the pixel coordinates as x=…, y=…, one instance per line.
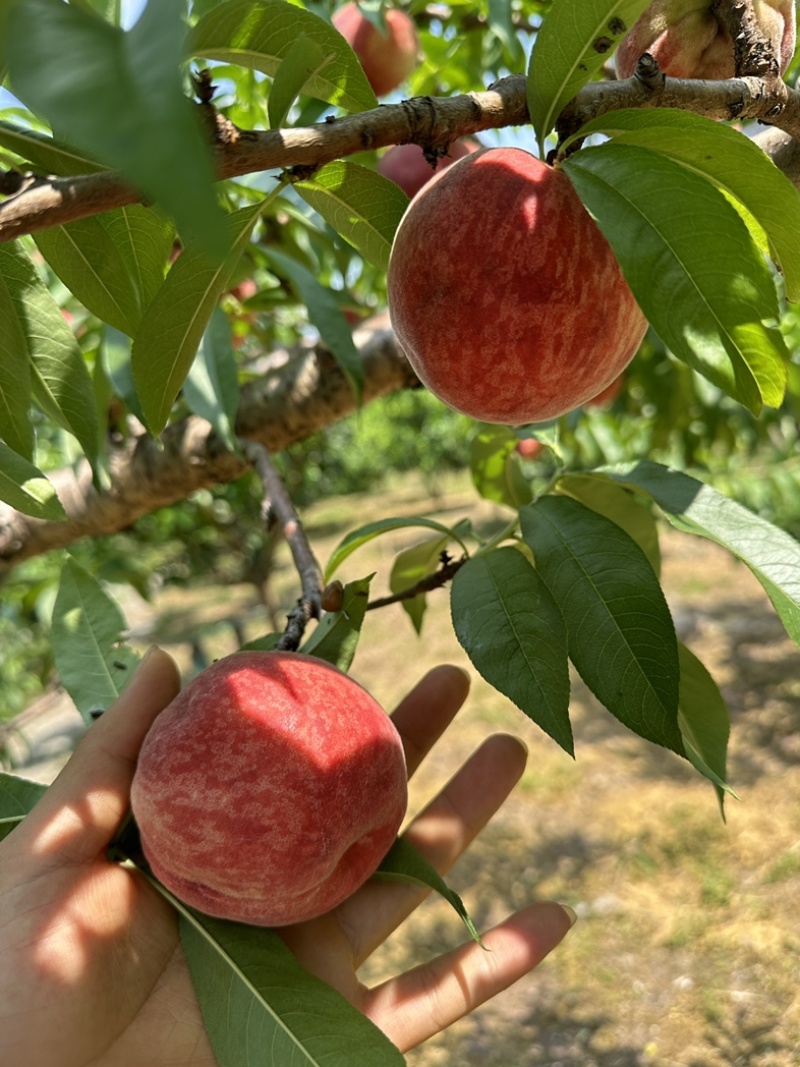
x=663, y=410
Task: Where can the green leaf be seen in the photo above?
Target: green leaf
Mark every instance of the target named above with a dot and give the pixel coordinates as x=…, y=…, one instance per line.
x=671, y=230
x=361, y=205
x=622, y=506
x=730, y=160
x=513, y=632
x=495, y=468
x=167, y=340
x=771, y=554
x=144, y=239
x=326, y=314
x=260, y=34
x=115, y=352
x=336, y=636
x=620, y=631
x=97, y=95
x=575, y=40
x=261, y=1007
x=303, y=61
x=705, y=723
x=25, y=488
x=403, y=863
x=88, y=262
x=18, y=796
x=47, y=154
x=265, y=643
x=87, y=632
x=16, y=381
x=411, y=566
x=211, y=388
x=356, y=538
x=60, y=380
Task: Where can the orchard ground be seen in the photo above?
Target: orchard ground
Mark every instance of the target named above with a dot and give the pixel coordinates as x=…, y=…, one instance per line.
x=687, y=949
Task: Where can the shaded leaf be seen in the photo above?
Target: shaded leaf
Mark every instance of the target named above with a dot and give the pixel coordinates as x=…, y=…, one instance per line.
x=622, y=506
x=25, y=488
x=705, y=723
x=361, y=205
x=211, y=388
x=167, y=340
x=96, y=95
x=88, y=262
x=87, y=632
x=411, y=566
x=403, y=863
x=60, y=381
x=326, y=314
x=619, y=628
x=18, y=797
x=512, y=630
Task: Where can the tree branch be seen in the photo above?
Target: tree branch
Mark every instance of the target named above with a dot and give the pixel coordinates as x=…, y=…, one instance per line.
x=439, y=578
x=432, y=122
x=283, y=407
x=278, y=506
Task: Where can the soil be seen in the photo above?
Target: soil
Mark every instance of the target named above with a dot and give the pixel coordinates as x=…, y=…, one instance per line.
x=687, y=948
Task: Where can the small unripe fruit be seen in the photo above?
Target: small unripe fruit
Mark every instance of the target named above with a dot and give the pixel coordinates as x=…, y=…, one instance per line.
x=387, y=59
x=406, y=165
x=504, y=294
x=270, y=789
x=688, y=40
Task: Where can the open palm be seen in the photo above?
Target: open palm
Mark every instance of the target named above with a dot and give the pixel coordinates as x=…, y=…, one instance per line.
x=93, y=972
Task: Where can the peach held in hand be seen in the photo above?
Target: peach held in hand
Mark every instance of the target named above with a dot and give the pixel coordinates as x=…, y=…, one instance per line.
x=688, y=41
x=505, y=295
x=387, y=59
x=270, y=789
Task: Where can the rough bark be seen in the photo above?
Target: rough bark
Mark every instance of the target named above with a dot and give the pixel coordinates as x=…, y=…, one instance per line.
x=283, y=407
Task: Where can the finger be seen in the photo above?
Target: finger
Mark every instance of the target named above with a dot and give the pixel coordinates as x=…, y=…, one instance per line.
x=441, y=832
x=424, y=1001
x=78, y=815
x=423, y=716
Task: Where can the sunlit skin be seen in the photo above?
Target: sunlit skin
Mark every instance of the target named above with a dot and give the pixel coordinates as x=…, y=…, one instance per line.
x=93, y=974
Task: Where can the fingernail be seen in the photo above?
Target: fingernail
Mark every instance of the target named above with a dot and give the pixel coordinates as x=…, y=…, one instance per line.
x=572, y=915
x=148, y=655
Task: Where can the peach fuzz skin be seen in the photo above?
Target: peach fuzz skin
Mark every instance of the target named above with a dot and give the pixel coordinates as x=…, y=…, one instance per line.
x=504, y=294
x=270, y=789
x=688, y=41
x=387, y=59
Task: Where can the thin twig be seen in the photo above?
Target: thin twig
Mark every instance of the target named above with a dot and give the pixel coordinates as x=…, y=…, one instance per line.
x=424, y=585
x=278, y=507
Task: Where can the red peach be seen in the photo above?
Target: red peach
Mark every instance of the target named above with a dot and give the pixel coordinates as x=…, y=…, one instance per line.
x=688, y=40
x=505, y=295
x=406, y=165
x=270, y=789
x=387, y=59
x=529, y=448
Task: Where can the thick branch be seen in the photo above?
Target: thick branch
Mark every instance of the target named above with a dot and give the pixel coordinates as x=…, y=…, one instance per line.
x=429, y=121
x=279, y=409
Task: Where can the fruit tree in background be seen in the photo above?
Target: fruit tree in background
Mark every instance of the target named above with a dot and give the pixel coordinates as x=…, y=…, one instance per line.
x=198, y=210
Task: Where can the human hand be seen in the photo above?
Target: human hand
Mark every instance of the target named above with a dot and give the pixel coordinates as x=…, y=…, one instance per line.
x=93, y=972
